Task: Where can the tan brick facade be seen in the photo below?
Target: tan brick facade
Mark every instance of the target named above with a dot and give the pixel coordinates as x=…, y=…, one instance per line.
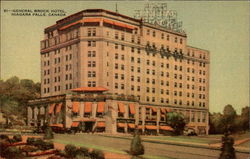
x=98, y=48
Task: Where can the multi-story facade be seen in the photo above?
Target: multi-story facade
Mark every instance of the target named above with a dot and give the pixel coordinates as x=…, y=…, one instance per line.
x=150, y=68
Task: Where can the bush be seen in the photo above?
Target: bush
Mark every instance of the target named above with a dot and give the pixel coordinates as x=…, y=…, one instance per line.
x=4, y=137
x=17, y=138
x=227, y=148
x=97, y=154
x=47, y=145
x=70, y=150
x=48, y=133
x=13, y=153
x=30, y=140
x=83, y=151
x=136, y=146
x=3, y=146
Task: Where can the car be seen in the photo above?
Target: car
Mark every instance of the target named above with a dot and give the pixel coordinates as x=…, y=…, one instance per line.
x=189, y=132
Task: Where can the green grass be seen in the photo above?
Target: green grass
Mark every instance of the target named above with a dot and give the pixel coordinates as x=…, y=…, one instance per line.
x=193, y=139
x=90, y=146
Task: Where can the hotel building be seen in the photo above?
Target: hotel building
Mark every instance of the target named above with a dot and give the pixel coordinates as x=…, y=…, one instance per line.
x=112, y=73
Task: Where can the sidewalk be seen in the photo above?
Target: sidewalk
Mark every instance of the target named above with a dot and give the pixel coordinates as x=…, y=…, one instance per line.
x=215, y=146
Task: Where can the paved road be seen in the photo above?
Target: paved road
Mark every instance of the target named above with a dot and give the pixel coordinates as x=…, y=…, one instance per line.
x=152, y=149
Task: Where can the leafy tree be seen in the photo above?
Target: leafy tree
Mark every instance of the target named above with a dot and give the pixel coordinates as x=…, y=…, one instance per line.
x=136, y=147
x=229, y=115
x=245, y=118
x=48, y=132
x=176, y=121
x=215, y=123
x=14, y=96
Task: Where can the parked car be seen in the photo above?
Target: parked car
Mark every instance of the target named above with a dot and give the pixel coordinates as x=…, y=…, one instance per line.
x=189, y=132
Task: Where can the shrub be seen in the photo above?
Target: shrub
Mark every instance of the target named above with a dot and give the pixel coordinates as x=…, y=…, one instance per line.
x=97, y=154
x=17, y=138
x=4, y=137
x=3, y=146
x=136, y=146
x=12, y=153
x=227, y=148
x=70, y=150
x=30, y=140
x=48, y=133
x=83, y=151
x=38, y=142
x=47, y=145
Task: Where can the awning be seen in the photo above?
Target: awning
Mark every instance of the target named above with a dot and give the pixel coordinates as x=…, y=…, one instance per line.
x=75, y=124
x=151, y=127
x=51, y=108
x=100, y=107
x=154, y=109
x=121, y=108
x=108, y=21
x=139, y=126
x=58, y=108
x=167, y=128
x=87, y=107
x=67, y=26
x=57, y=125
x=121, y=125
x=163, y=110
x=163, y=115
x=132, y=108
x=75, y=108
x=86, y=119
x=101, y=124
x=118, y=24
x=92, y=19
x=168, y=110
x=131, y=126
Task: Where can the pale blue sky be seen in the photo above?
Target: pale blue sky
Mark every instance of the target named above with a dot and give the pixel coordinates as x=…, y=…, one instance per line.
x=220, y=27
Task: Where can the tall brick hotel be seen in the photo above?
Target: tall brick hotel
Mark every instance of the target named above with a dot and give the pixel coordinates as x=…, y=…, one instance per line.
x=113, y=73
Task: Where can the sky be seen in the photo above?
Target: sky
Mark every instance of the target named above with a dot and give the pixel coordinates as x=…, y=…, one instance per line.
x=220, y=27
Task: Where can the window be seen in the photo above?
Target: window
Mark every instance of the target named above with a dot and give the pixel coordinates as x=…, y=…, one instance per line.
x=175, y=39
x=162, y=36
x=148, y=90
x=123, y=37
x=138, y=88
x=116, y=85
x=148, y=32
x=116, y=35
x=153, y=33
x=153, y=90
x=116, y=46
x=138, y=79
x=122, y=47
x=138, y=60
x=180, y=41
x=116, y=56
x=167, y=37
x=153, y=63
x=153, y=81
x=122, y=57
x=122, y=76
x=122, y=86
x=153, y=72
x=132, y=68
x=116, y=66
x=116, y=75
x=148, y=81
x=132, y=88
x=148, y=62
x=122, y=67
x=132, y=78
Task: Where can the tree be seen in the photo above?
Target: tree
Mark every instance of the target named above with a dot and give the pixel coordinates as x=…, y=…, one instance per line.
x=176, y=121
x=227, y=149
x=229, y=115
x=245, y=117
x=215, y=123
x=136, y=147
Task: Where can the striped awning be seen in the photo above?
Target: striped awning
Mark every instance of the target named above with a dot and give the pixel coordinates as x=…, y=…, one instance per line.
x=151, y=127
x=132, y=108
x=75, y=106
x=121, y=125
x=101, y=124
x=121, y=107
x=87, y=107
x=100, y=107
x=58, y=108
x=51, y=108
x=154, y=109
x=75, y=124
x=131, y=126
x=167, y=128
x=163, y=110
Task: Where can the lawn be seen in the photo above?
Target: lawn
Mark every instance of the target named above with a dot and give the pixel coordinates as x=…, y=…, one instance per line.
x=192, y=139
